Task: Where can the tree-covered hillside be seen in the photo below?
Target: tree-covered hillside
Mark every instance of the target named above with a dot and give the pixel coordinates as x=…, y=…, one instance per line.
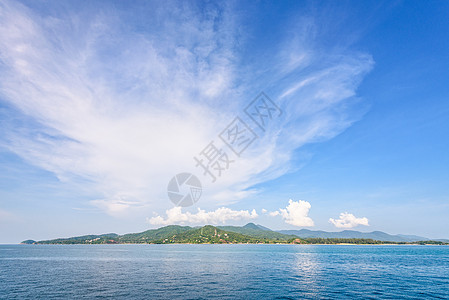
x=254, y=230
x=250, y=233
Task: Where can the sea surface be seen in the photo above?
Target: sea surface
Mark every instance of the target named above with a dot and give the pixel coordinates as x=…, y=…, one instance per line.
x=224, y=272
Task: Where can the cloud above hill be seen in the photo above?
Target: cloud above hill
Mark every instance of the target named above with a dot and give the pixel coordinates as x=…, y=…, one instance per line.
x=347, y=220
x=219, y=216
x=296, y=213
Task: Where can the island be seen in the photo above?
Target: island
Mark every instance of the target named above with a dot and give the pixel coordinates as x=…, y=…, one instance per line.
x=248, y=234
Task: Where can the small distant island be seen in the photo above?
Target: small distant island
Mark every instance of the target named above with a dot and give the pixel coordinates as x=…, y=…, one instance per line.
x=248, y=234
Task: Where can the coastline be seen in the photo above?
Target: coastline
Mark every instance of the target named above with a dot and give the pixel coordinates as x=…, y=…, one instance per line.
x=285, y=244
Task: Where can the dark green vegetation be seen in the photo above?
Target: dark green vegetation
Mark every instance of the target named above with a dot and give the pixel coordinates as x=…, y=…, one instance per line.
x=258, y=231
x=28, y=242
x=85, y=239
x=250, y=233
x=213, y=235
x=154, y=235
x=352, y=234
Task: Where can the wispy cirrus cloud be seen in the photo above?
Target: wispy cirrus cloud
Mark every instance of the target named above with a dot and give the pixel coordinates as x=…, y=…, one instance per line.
x=122, y=109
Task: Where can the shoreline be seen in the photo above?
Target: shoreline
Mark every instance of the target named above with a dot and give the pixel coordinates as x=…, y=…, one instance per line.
x=285, y=244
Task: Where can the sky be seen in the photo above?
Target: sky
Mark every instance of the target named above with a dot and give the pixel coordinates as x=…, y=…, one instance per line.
x=324, y=115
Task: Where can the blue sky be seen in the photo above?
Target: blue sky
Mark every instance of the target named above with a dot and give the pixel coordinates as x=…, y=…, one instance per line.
x=101, y=104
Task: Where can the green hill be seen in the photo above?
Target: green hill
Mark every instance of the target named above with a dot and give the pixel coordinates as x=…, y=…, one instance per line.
x=163, y=235
x=259, y=231
x=153, y=234
x=352, y=234
x=250, y=233
x=28, y=242
x=211, y=235
x=108, y=238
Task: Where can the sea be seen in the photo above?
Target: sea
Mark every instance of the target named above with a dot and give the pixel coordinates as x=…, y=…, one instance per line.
x=182, y=271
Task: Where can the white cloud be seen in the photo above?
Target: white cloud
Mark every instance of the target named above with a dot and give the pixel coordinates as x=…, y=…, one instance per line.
x=118, y=112
x=347, y=220
x=264, y=211
x=296, y=213
x=220, y=215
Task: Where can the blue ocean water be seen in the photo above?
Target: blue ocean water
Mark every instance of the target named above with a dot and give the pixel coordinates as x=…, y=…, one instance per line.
x=223, y=272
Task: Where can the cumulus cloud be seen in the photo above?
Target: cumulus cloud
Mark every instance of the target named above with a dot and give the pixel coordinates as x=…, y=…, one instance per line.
x=274, y=213
x=117, y=108
x=347, y=220
x=296, y=213
x=220, y=215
